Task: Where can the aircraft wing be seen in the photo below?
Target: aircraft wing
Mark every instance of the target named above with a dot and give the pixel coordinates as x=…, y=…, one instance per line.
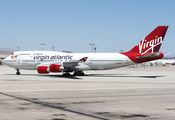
x=74, y=63
x=67, y=63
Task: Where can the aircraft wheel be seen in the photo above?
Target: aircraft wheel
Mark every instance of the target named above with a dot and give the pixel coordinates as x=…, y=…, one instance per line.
x=17, y=73
x=78, y=73
x=66, y=74
x=74, y=74
x=82, y=73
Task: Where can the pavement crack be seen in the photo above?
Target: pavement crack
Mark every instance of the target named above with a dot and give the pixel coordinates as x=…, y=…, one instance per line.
x=36, y=101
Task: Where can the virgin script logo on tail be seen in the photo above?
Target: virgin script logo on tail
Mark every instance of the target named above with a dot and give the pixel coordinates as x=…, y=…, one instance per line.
x=145, y=46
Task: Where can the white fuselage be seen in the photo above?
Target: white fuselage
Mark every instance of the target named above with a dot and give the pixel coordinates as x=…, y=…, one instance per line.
x=95, y=61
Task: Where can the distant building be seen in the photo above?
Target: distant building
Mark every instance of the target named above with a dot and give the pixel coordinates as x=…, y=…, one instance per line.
x=2, y=57
x=4, y=54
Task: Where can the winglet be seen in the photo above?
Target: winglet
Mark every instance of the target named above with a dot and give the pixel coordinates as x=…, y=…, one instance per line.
x=83, y=59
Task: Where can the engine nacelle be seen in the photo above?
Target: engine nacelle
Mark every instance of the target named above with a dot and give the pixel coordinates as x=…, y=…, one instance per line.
x=43, y=69
x=56, y=68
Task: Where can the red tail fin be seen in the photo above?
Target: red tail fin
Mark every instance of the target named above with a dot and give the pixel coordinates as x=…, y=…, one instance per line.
x=152, y=42
x=148, y=48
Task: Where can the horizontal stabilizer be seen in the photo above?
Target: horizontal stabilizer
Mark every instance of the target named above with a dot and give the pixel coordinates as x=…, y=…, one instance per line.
x=149, y=56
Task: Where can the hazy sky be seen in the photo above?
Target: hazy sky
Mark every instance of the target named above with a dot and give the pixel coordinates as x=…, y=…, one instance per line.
x=112, y=25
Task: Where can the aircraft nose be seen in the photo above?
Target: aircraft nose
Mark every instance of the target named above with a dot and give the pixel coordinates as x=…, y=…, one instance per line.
x=3, y=61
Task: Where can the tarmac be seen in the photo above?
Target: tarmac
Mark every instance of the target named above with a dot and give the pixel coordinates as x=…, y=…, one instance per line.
x=118, y=94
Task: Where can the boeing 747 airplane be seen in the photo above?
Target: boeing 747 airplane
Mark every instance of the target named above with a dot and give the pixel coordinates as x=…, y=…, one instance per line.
x=50, y=61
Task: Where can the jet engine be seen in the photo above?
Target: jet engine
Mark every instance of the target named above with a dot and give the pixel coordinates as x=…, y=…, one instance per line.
x=51, y=68
x=43, y=69
x=56, y=68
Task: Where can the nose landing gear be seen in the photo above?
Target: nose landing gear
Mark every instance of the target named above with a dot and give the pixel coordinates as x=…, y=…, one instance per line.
x=17, y=72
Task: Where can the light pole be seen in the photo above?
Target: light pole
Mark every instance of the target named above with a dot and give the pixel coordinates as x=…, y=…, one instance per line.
x=95, y=48
x=91, y=47
x=43, y=45
x=18, y=48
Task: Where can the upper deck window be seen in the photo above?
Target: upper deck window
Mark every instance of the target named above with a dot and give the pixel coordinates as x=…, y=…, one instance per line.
x=37, y=54
x=24, y=54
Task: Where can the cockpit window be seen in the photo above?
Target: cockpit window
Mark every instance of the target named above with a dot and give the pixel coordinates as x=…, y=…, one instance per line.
x=12, y=53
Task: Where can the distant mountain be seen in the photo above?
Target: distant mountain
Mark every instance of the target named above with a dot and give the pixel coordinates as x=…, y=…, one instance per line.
x=66, y=51
x=5, y=52
x=7, y=49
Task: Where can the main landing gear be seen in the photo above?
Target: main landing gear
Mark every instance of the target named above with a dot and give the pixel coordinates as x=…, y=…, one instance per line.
x=17, y=72
x=78, y=73
x=66, y=74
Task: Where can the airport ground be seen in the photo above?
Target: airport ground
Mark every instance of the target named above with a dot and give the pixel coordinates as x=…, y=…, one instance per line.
x=118, y=94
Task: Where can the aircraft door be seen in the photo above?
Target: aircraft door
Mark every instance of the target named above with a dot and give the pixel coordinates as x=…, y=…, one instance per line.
x=90, y=60
x=31, y=54
x=18, y=60
x=126, y=61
